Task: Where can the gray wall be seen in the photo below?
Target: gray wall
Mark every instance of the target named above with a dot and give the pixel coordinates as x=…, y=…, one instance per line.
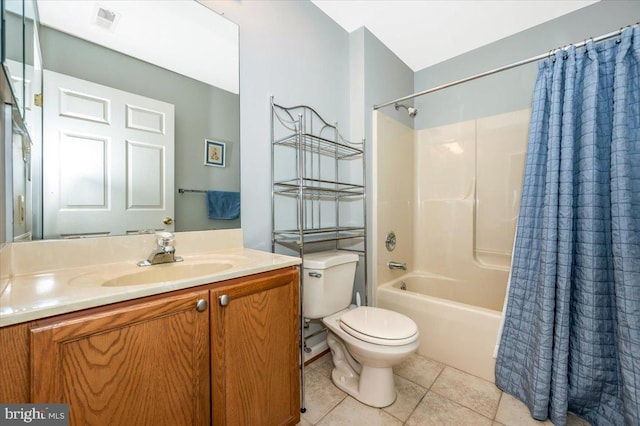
x=293, y=51
x=201, y=111
x=386, y=77
x=510, y=90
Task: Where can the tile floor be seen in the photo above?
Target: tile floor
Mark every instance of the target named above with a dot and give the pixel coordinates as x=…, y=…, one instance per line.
x=429, y=393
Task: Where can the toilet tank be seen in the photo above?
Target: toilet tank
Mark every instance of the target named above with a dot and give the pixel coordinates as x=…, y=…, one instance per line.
x=328, y=282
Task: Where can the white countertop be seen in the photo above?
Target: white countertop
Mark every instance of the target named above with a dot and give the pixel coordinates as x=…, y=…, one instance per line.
x=33, y=294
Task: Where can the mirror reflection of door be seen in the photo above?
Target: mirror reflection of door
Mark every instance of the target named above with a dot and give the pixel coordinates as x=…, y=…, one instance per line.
x=109, y=152
x=23, y=77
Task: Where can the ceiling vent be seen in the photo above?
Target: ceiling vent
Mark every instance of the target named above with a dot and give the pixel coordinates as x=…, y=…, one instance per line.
x=106, y=19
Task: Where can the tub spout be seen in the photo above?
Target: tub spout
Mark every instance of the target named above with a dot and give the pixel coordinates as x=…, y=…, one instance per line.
x=397, y=265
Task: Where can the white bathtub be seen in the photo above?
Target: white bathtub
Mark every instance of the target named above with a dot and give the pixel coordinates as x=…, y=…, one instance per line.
x=454, y=328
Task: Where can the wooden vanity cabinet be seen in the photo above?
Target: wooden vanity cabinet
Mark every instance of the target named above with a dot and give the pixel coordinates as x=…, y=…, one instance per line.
x=255, y=351
x=147, y=363
x=167, y=359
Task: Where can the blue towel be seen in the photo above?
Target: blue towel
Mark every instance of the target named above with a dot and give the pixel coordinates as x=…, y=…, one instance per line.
x=223, y=204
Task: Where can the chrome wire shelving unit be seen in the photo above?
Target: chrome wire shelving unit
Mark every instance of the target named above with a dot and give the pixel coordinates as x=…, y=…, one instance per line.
x=318, y=196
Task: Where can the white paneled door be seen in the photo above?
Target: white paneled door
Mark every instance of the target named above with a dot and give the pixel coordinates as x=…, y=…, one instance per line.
x=109, y=157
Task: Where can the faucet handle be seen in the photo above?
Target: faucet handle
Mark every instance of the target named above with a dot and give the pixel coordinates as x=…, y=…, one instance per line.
x=165, y=238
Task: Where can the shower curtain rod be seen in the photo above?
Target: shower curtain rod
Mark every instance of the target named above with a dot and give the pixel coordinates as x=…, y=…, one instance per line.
x=497, y=70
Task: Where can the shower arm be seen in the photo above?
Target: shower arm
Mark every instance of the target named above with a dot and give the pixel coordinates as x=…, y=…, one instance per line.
x=410, y=110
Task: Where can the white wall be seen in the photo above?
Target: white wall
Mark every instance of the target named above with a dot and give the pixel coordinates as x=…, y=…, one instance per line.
x=393, y=195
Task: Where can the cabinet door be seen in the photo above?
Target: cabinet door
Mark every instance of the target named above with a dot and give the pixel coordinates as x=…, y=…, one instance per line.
x=14, y=364
x=143, y=363
x=255, y=351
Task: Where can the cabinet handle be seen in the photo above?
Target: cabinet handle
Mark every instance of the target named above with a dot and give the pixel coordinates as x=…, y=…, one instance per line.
x=201, y=305
x=224, y=300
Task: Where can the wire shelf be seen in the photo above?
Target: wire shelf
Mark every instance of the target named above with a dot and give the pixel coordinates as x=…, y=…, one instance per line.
x=313, y=143
x=318, y=235
x=314, y=202
x=308, y=188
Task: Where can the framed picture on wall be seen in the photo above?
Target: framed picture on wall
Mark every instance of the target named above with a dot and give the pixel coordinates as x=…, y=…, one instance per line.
x=214, y=153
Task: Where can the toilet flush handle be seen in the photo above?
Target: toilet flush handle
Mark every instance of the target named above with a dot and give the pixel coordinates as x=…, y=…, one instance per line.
x=315, y=274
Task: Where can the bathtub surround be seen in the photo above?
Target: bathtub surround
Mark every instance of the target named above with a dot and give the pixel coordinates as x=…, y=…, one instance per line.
x=571, y=337
x=392, y=195
x=469, y=179
x=451, y=195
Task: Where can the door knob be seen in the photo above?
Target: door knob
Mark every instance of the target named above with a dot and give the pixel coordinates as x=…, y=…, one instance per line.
x=167, y=221
x=224, y=300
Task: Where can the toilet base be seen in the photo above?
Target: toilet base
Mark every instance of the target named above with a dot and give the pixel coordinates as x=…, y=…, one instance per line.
x=370, y=385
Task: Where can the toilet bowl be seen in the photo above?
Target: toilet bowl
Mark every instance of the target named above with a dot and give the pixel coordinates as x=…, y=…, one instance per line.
x=365, y=342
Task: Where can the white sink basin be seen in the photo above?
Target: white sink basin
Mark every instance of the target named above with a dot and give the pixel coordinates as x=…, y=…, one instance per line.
x=168, y=272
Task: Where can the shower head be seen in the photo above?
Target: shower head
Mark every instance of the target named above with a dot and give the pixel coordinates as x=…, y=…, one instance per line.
x=411, y=110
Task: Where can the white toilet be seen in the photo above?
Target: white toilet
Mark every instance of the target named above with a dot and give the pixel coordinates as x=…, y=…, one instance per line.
x=365, y=342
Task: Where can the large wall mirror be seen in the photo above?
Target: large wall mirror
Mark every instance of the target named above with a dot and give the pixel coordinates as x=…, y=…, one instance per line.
x=140, y=117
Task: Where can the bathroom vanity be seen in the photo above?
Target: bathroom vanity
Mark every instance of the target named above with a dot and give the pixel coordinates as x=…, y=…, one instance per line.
x=221, y=351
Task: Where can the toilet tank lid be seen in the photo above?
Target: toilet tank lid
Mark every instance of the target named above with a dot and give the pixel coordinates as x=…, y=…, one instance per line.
x=327, y=259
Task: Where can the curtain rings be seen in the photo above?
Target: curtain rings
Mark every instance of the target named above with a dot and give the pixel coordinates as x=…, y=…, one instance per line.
x=619, y=39
x=558, y=50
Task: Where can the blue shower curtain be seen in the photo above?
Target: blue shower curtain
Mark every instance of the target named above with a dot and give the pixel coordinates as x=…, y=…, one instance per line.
x=571, y=336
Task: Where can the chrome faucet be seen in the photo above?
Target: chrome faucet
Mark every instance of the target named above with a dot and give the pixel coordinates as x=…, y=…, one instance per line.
x=164, y=253
x=397, y=265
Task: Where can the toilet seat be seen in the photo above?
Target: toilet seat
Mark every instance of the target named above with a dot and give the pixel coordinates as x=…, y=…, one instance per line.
x=379, y=326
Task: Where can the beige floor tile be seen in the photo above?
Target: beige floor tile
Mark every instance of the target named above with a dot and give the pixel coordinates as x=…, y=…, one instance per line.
x=467, y=390
x=323, y=364
x=435, y=410
x=352, y=412
x=512, y=412
x=303, y=422
x=419, y=370
x=409, y=395
x=321, y=396
x=575, y=420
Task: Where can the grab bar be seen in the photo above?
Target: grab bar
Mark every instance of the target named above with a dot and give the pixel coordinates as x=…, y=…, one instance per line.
x=397, y=265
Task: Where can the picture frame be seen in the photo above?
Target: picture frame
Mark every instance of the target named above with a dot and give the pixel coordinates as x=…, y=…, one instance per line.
x=214, y=153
